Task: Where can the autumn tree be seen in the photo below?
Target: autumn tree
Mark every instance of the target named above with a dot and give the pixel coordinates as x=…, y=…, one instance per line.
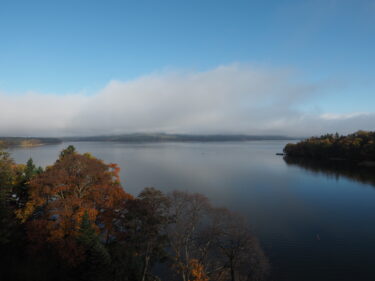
x=59, y=197
x=197, y=271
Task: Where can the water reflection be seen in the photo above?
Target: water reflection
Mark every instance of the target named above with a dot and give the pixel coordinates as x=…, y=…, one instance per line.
x=335, y=169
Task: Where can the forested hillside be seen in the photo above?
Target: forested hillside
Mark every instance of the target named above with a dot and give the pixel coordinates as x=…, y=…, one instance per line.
x=6, y=142
x=356, y=147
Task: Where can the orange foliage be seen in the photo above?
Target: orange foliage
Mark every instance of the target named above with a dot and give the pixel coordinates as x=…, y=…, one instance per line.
x=61, y=195
x=197, y=271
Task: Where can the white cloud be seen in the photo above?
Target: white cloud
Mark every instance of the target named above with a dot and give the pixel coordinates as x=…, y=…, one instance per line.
x=37, y=114
x=335, y=116
x=228, y=99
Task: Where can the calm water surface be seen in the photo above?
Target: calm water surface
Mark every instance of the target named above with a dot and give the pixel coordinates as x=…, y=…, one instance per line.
x=313, y=225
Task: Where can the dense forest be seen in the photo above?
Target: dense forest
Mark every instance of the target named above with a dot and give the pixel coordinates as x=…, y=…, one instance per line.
x=358, y=147
x=74, y=221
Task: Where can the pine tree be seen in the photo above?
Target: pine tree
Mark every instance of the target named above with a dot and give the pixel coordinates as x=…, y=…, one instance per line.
x=96, y=254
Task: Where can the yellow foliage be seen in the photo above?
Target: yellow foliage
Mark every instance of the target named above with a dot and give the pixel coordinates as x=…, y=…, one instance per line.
x=197, y=271
x=26, y=212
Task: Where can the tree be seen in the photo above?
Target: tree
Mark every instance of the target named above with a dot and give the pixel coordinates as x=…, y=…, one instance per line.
x=239, y=250
x=12, y=234
x=213, y=243
x=142, y=232
x=96, y=255
x=154, y=220
x=11, y=178
x=356, y=147
x=70, y=150
x=188, y=212
x=6, y=180
x=197, y=271
x=76, y=184
x=21, y=190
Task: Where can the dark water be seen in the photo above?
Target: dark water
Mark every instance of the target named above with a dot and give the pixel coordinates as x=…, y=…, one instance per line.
x=315, y=223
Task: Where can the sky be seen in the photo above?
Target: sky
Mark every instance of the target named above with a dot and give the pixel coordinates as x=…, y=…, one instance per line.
x=287, y=67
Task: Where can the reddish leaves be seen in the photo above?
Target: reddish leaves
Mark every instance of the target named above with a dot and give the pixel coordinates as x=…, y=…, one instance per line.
x=61, y=195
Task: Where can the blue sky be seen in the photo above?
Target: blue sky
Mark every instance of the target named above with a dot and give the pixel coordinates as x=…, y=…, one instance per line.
x=68, y=47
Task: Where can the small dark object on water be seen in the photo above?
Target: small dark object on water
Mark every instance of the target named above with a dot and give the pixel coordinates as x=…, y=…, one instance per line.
x=280, y=154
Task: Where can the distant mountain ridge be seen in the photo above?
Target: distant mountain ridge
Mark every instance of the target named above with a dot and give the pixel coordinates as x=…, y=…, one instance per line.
x=162, y=137
x=7, y=142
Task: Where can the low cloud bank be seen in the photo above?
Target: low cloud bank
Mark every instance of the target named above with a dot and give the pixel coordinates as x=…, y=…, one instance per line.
x=227, y=99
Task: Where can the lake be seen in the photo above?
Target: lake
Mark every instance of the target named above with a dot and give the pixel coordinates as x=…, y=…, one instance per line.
x=314, y=223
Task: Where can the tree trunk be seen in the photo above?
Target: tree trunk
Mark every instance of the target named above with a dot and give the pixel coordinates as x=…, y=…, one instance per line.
x=232, y=273
x=146, y=261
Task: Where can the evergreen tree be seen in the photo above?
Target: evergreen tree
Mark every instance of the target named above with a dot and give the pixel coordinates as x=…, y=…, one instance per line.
x=67, y=151
x=21, y=190
x=96, y=255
